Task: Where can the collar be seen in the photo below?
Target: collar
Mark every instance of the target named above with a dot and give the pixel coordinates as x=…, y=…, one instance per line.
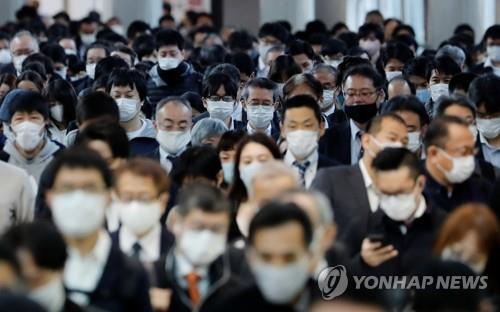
x=484, y=141
x=100, y=251
x=364, y=172
x=184, y=267
x=422, y=207
x=150, y=242
x=47, y=151
x=251, y=130
x=354, y=129
x=164, y=154
x=289, y=159
x=330, y=111
x=137, y=133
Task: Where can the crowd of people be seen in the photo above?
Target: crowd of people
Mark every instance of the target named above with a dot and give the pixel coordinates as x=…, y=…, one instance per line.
x=182, y=167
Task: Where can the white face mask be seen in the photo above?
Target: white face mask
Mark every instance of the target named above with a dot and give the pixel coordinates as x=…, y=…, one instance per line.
x=228, y=168
x=129, y=108
x=173, y=142
x=493, y=53
x=50, y=296
x=139, y=217
x=281, y=284
x=489, y=128
x=5, y=56
x=333, y=63
x=88, y=39
x=202, y=247
x=438, y=90
x=62, y=72
x=302, y=143
x=449, y=255
x=371, y=46
x=18, y=62
x=461, y=170
x=414, y=141
x=263, y=49
x=260, y=116
x=247, y=172
x=166, y=63
x=391, y=74
x=70, y=51
x=220, y=109
x=57, y=112
x=28, y=135
x=383, y=145
x=90, y=69
x=78, y=213
x=398, y=207
x=328, y=96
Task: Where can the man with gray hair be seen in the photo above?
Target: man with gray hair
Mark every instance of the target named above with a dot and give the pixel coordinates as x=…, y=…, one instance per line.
x=22, y=45
x=173, y=121
x=208, y=131
x=456, y=53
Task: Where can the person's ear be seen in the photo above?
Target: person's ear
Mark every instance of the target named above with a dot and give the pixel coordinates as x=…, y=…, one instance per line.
x=49, y=198
x=173, y=222
x=381, y=96
x=421, y=183
x=365, y=140
x=432, y=151
x=322, y=128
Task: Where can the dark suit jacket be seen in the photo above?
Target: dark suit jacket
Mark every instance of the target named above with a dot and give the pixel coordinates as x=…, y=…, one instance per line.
x=326, y=162
x=143, y=146
x=336, y=143
x=345, y=188
x=337, y=117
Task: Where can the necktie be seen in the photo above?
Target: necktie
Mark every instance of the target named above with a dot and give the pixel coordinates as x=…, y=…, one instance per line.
x=136, y=250
x=361, y=150
x=171, y=158
x=302, y=170
x=194, y=293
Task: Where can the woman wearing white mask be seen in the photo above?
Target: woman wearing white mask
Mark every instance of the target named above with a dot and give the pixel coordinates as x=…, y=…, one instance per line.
x=62, y=102
x=128, y=88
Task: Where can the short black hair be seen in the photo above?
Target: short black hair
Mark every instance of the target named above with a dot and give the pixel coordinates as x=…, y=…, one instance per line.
x=166, y=37
x=94, y=105
x=366, y=71
x=461, y=81
x=44, y=60
x=283, y=68
x=61, y=91
x=261, y=83
x=398, y=51
x=370, y=28
x=443, y=65
x=144, y=45
x=39, y=237
x=446, y=101
x=98, y=45
x=492, y=32
x=274, y=29
x=401, y=27
x=225, y=68
x=406, y=39
x=137, y=27
x=463, y=28
x=407, y=103
x=79, y=157
x=195, y=100
x=296, y=47
x=240, y=41
x=417, y=67
x=484, y=91
x=204, y=197
x=395, y=158
x=215, y=81
x=107, y=130
x=333, y=46
x=122, y=77
x=243, y=62
x=438, y=132
x=55, y=52
x=33, y=76
x=375, y=124
x=275, y=214
x=299, y=101
x=29, y=101
x=105, y=66
x=197, y=162
x=8, y=255
x=230, y=140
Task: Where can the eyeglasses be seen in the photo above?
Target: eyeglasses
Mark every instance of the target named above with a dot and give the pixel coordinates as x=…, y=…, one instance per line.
x=225, y=98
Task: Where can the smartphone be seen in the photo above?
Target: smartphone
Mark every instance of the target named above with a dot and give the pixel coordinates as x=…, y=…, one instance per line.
x=377, y=237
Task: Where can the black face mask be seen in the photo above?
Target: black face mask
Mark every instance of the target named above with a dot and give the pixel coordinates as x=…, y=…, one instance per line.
x=361, y=113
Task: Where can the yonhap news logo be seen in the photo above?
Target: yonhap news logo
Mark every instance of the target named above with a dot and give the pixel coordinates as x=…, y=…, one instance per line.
x=333, y=282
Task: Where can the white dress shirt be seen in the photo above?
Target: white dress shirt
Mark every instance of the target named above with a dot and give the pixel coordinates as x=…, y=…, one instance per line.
x=164, y=161
x=326, y=114
x=150, y=243
x=355, y=142
x=251, y=130
x=83, y=272
x=373, y=198
x=310, y=171
x=489, y=63
x=184, y=267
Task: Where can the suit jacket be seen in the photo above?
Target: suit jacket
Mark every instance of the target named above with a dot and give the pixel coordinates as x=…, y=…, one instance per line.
x=143, y=146
x=345, y=188
x=326, y=162
x=336, y=143
x=337, y=117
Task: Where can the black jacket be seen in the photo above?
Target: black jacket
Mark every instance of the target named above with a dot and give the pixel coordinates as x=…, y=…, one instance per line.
x=336, y=143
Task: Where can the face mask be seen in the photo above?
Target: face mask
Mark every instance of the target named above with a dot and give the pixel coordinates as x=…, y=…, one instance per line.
x=462, y=169
x=166, y=63
x=70, y=52
x=139, y=217
x=438, y=90
x=361, y=113
x=260, y=116
x=423, y=95
x=88, y=39
x=489, y=128
x=371, y=46
x=302, y=143
x=247, y=172
x=129, y=108
x=28, y=135
x=263, y=49
x=391, y=74
x=5, y=56
x=383, y=145
x=228, y=168
x=202, y=247
x=62, y=72
x=90, y=69
x=18, y=62
x=117, y=28
x=51, y=296
x=56, y=112
x=449, y=255
x=327, y=102
x=220, y=109
x=78, y=213
x=334, y=63
x=173, y=142
x=398, y=207
x=414, y=141
x=275, y=283
x=493, y=53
